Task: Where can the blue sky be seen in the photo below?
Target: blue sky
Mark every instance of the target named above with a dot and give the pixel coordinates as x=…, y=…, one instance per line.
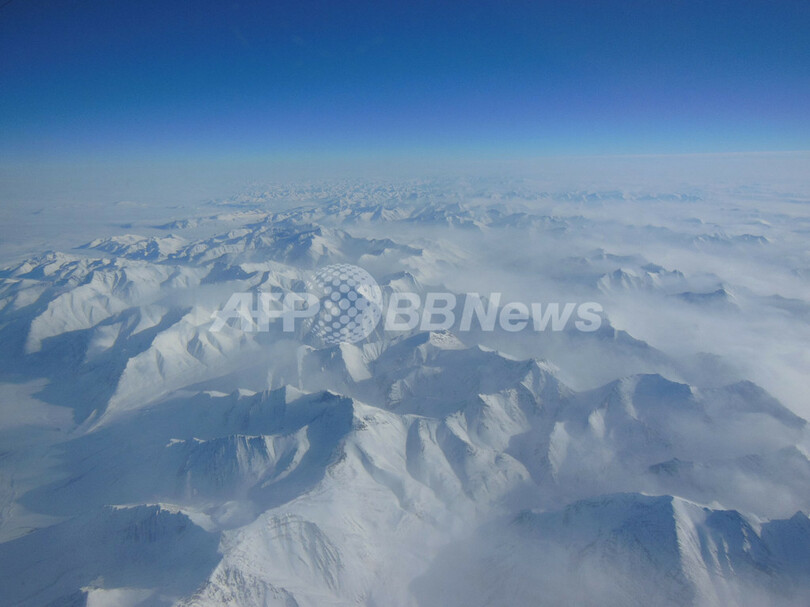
x=103, y=78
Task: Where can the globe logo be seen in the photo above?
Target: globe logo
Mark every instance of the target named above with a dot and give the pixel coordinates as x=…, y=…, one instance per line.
x=350, y=304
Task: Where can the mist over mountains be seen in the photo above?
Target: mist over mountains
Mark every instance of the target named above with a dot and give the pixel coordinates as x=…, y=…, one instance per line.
x=659, y=460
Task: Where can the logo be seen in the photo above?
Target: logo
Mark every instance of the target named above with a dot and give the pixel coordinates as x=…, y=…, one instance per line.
x=344, y=304
x=349, y=304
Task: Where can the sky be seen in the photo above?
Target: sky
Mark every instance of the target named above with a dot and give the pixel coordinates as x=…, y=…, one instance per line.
x=100, y=79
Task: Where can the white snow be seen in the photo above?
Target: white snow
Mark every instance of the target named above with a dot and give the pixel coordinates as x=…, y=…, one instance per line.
x=146, y=460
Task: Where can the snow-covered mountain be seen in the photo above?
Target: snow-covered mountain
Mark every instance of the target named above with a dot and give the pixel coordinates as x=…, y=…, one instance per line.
x=148, y=460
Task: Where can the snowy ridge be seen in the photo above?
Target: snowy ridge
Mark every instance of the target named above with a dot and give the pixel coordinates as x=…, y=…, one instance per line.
x=417, y=469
